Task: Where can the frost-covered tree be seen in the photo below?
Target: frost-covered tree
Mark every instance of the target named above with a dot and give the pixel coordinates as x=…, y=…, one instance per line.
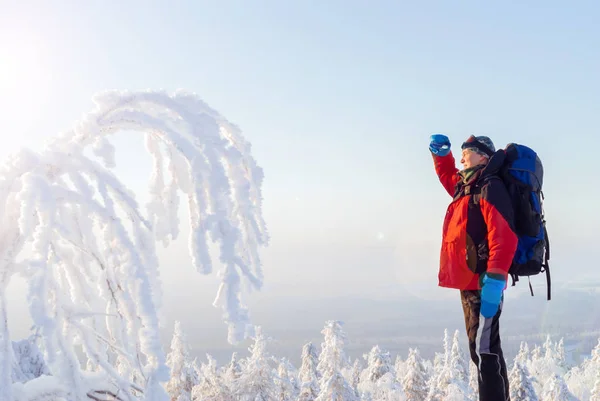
x=523, y=354
x=536, y=354
x=548, y=347
x=596, y=354
x=379, y=378
x=400, y=368
x=379, y=363
x=308, y=374
x=414, y=382
x=457, y=363
x=212, y=386
x=387, y=388
x=332, y=359
x=435, y=392
x=455, y=393
x=183, y=376
x=560, y=356
x=554, y=359
x=447, y=347
x=581, y=379
x=354, y=376
x=520, y=383
x=438, y=363
x=285, y=387
x=336, y=388
x=256, y=383
x=591, y=367
x=595, y=394
x=77, y=235
x=556, y=389
x=473, y=381
x=292, y=375
x=453, y=372
x=233, y=371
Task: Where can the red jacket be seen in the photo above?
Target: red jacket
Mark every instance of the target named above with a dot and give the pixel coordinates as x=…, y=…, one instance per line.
x=478, y=234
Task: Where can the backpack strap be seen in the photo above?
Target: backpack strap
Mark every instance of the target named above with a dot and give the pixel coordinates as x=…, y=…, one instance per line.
x=475, y=188
x=546, y=258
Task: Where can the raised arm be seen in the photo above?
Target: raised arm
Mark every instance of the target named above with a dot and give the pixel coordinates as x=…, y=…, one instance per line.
x=443, y=161
x=445, y=168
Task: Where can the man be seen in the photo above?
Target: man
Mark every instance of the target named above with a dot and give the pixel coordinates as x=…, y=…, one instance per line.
x=478, y=246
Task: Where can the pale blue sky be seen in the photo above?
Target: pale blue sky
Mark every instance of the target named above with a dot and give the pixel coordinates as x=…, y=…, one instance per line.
x=338, y=99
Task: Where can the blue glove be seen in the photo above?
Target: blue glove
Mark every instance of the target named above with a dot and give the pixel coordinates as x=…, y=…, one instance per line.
x=440, y=145
x=491, y=294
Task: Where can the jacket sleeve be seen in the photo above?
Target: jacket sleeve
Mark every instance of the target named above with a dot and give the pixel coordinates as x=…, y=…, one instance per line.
x=445, y=168
x=499, y=217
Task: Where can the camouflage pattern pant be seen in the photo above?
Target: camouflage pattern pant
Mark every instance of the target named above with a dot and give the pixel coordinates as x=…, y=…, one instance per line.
x=485, y=348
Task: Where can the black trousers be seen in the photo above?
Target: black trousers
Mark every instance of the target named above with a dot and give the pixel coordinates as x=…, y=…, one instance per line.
x=485, y=348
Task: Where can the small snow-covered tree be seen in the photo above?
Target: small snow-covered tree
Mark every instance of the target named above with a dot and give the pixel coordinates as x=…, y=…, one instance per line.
x=536, y=354
x=77, y=235
x=354, y=376
x=589, y=370
x=379, y=363
x=308, y=374
x=595, y=394
x=379, y=378
x=447, y=347
x=285, y=387
x=438, y=364
x=332, y=359
x=554, y=359
x=523, y=354
x=458, y=364
x=440, y=361
x=292, y=375
x=183, y=377
x=560, y=356
x=596, y=353
x=520, y=383
x=548, y=347
x=233, y=371
x=212, y=387
x=336, y=388
x=455, y=393
x=435, y=392
x=556, y=389
x=400, y=368
x=453, y=372
x=414, y=382
x=473, y=381
x=256, y=383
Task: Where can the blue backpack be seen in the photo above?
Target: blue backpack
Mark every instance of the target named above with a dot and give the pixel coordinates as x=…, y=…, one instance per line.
x=523, y=175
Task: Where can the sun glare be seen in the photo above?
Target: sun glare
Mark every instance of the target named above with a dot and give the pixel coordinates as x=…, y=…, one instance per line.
x=25, y=83
x=21, y=68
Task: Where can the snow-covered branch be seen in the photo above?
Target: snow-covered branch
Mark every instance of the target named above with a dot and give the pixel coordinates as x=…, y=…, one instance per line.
x=77, y=234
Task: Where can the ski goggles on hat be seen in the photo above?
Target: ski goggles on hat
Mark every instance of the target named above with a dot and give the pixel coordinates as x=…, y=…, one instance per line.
x=473, y=143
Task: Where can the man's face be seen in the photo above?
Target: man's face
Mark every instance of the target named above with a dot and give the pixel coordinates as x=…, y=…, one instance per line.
x=471, y=158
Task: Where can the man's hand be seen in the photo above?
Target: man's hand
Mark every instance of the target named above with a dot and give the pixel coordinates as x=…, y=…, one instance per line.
x=491, y=294
x=439, y=145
